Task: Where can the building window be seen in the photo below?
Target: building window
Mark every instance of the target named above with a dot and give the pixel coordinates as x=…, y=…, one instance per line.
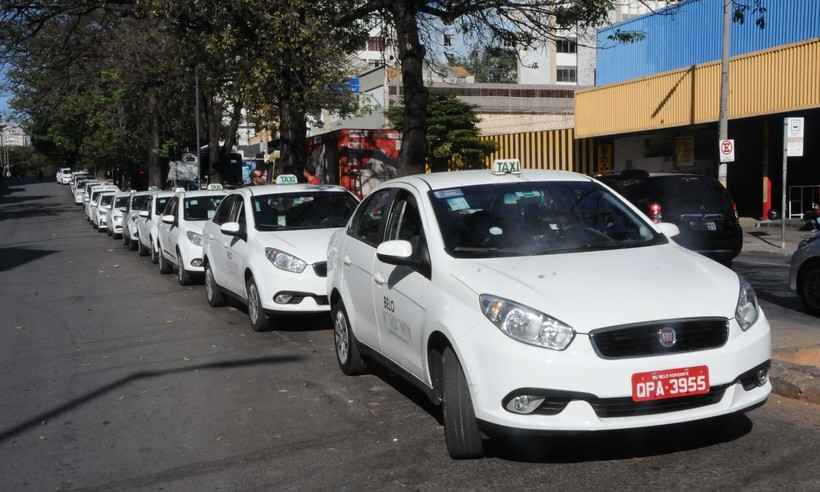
x=448, y=40
x=375, y=43
x=566, y=74
x=566, y=46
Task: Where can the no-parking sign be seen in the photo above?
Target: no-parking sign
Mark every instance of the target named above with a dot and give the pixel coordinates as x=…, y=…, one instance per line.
x=727, y=150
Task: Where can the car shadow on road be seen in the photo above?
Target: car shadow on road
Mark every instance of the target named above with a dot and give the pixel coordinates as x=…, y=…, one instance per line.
x=31, y=210
x=6, y=434
x=621, y=444
x=11, y=258
x=15, y=200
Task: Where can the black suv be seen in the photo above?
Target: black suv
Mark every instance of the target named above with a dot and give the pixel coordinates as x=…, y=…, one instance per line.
x=699, y=205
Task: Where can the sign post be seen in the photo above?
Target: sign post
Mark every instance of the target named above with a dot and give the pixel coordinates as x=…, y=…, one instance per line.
x=727, y=154
x=793, y=131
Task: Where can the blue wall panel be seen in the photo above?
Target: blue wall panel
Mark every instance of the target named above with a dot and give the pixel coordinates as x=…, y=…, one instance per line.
x=691, y=34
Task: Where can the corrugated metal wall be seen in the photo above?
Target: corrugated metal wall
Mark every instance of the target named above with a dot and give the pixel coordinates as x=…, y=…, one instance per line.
x=690, y=34
x=768, y=82
x=548, y=149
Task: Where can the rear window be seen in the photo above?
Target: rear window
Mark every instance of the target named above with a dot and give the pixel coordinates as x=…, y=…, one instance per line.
x=678, y=194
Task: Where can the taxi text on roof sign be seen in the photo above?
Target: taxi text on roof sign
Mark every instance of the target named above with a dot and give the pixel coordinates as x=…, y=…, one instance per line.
x=286, y=179
x=506, y=166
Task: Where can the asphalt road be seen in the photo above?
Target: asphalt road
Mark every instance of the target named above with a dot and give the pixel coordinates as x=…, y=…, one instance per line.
x=114, y=378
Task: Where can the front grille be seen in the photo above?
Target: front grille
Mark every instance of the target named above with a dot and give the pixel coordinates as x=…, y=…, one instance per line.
x=645, y=339
x=625, y=407
x=320, y=269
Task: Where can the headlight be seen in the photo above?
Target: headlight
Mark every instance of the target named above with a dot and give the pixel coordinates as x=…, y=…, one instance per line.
x=525, y=324
x=284, y=261
x=747, y=309
x=194, y=237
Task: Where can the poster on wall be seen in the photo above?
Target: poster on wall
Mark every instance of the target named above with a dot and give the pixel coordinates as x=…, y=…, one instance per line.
x=606, y=157
x=684, y=152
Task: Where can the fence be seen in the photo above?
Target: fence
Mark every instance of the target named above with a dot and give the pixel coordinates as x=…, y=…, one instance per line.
x=804, y=197
x=547, y=149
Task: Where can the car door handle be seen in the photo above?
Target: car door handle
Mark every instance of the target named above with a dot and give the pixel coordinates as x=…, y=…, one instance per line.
x=347, y=261
x=379, y=278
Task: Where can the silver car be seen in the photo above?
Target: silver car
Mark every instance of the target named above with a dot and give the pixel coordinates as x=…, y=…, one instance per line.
x=804, y=274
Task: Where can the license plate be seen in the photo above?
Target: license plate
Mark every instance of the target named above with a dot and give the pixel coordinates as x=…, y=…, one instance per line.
x=670, y=383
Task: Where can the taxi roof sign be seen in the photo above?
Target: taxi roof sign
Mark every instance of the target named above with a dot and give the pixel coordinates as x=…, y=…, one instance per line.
x=506, y=166
x=286, y=179
x=215, y=187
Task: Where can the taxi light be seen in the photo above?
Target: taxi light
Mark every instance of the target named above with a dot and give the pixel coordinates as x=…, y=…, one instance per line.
x=524, y=404
x=747, y=310
x=526, y=325
x=286, y=179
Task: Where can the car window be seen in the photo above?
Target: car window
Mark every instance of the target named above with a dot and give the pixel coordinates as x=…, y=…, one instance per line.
x=223, y=213
x=159, y=204
x=107, y=200
x=201, y=207
x=368, y=224
x=307, y=210
x=405, y=224
x=238, y=214
x=536, y=218
x=140, y=202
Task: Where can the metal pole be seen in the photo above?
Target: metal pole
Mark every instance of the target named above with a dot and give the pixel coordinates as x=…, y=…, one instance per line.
x=196, y=106
x=784, y=213
x=724, y=83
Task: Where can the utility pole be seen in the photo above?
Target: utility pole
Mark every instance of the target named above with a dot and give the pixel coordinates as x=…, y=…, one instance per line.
x=724, y=83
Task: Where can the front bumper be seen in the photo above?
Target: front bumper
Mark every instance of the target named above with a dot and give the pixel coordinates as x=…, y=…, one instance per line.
x=308, y=285
x=580, y=370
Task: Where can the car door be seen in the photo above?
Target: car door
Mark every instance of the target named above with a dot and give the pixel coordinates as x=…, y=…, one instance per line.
x=217, y=241
x=358, y=255
x=236, y=250
x=176, y=230
x=164, y=230
x=402, y=294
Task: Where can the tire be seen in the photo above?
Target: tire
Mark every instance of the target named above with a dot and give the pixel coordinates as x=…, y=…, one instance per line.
x=184, y=277
x=126, y=243
x=344, y=342
x=165, y=266
x=134, y=244
x=212, y=290
x=141, y=250
x=461, y=430
x=257, y=316
x=154, y=254
x=808, y=286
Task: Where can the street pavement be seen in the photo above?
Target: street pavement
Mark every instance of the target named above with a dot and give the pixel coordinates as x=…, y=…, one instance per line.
x=113, y=377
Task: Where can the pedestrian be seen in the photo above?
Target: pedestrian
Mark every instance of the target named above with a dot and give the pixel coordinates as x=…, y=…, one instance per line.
x=257, y=177
x=310, y=177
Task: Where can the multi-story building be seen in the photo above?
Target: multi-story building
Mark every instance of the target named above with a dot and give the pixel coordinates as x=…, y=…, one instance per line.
x=13, y=135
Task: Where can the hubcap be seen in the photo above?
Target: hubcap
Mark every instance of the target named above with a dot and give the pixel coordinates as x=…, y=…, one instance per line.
x=209, y=287
x=253, y=302
x=340, y=334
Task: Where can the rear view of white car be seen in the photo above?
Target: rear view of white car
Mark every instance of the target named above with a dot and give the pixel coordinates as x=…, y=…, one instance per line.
x=267, y=247
x=179, y=232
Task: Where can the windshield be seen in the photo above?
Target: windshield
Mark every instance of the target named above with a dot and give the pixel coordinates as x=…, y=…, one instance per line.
x=121, y=202
x=202, y=207
x=107, y=200
x=159, y=204
x=308, y=210
x=140, y=202
x=536, y=218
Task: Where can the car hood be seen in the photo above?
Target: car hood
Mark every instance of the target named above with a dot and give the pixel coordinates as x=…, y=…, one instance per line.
x=309, y=244
x=195, y=225
x=609, y=288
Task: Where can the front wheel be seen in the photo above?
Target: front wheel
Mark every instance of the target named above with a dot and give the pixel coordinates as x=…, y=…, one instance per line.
x=212, y=291
x=460, y=425
x=184, y=277
x=347, y=348
x=164, y=264
x=154, y=253
x=141, y=249
x=808, y=285
x=258, y=317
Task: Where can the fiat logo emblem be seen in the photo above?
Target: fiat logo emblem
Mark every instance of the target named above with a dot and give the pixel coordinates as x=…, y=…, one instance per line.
x=667, y=337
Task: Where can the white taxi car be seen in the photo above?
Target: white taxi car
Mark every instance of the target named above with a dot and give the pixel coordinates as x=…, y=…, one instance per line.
x=101, y=209
x=148, y=222
x=138, y=202
x=267, y=246
x=179, y=233
x=541, y=301
x=93, y=199
x=117, y=213
x=62, y=173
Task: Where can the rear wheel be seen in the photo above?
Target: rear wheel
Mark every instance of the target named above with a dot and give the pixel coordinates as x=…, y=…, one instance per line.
x=164, y=264
x=212, y=291
x=184, y=277
x=347, y=348
x=460, y=425
x=808, y=285
x=154, y=252
x=258, y=317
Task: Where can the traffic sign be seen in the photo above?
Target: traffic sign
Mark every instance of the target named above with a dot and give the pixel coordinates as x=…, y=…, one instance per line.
x=795, y=131
x=727, y=150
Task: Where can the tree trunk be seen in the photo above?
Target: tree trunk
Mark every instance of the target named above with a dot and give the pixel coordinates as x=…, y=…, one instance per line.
x=230, y=138
x=154, y=169
x=293, y=138
x=411, y=55
x=213, y=114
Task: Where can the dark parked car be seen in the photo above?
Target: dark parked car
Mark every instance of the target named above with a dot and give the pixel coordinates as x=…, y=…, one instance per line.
x=699, y=205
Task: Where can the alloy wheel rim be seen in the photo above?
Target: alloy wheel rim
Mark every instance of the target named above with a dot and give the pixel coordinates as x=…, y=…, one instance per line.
x=341, y=334
x=253, y=308
x=209, y=278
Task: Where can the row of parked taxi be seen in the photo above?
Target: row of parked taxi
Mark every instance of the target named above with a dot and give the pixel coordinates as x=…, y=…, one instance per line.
x=516, y=300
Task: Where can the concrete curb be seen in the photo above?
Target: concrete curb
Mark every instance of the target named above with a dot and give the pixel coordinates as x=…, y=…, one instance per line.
x=795, y=381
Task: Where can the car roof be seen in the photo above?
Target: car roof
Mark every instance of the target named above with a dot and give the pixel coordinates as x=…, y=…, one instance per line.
x=454, y=179
x=281, y=189
x=163, y=194
x=194, y=194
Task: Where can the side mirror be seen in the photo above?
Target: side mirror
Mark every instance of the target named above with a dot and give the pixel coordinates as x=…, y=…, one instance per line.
x=668, y=229
x=144, y=213
x=396, y=252
x=168, y=219
x=231, y=229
